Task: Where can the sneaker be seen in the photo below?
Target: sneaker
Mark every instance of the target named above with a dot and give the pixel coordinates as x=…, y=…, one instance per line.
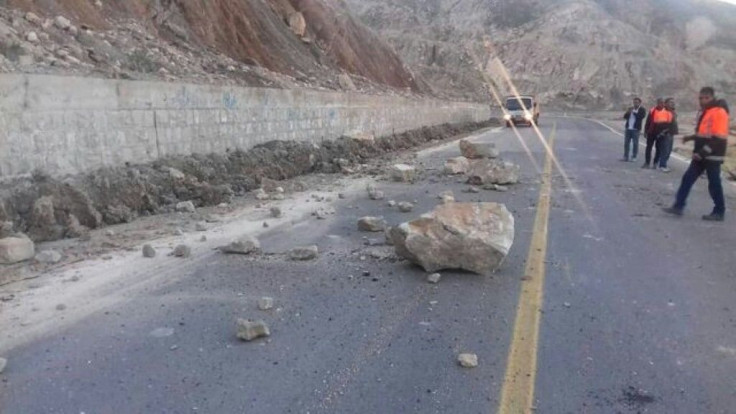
x=714, y=217
x=664, y=169
x=624, y=159
x=633, y=159
x=673, y=210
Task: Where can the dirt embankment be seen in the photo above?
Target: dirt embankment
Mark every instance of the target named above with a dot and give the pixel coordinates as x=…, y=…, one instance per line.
x=283, y=43
x=49, y=209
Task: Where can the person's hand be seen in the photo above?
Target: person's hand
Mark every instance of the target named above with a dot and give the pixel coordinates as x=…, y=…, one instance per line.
x=697, y=157
x=688, y=138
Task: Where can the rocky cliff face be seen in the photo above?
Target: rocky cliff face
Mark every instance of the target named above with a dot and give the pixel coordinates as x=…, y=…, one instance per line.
x=283, y=43
x=571, y=53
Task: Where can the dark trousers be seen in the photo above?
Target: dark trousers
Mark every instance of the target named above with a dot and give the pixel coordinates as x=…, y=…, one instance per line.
x=663, y=146
x=631, y=139
x=715, y=188
x=648, y=152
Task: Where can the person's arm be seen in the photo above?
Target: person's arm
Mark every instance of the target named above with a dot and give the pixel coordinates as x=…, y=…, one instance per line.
x=627, y=114
x=648, y=125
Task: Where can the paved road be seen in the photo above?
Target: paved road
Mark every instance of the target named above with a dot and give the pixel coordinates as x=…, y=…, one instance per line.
x=639, y=312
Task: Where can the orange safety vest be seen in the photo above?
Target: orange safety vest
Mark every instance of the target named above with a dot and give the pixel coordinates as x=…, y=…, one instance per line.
x=661, y=116
x=714, y=123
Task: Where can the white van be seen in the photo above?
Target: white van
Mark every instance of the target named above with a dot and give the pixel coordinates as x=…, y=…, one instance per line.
x=523, y=109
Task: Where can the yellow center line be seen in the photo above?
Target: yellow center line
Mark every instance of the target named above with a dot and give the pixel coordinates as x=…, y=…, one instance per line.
x=517, y=395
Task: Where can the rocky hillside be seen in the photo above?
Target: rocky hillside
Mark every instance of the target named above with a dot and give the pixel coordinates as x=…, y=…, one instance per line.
x=280, y=43
x=571, y=53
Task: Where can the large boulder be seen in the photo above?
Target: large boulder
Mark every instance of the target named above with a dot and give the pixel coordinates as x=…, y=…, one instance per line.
x=478, y=150
x=457, y=165
x=403, y=173
x=244, y=245
x=469, y=236
x=16, y=249
x=484, y=172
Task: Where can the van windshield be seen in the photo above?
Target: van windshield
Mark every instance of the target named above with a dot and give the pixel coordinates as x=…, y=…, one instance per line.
x=512, y=104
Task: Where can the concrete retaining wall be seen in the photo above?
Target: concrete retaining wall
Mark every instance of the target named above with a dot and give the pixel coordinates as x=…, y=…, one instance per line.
x=69, y=125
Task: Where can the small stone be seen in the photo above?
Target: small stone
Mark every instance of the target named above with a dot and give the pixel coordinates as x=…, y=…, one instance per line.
x=341, y=196
x=304, y=253
x=265, y=225
x=109, y=233
x=447, y=197
x=62, y=22
x=278, y=197
x=148, y=251
x=468, y=360
x=473, y=189
x=185, y=207
x=249, y=330
x=265, y=303
x=276, y=212
x=403, y=173
x=60, y=307
x=203, y=239
x=182, y=250
x=201, y=226
x=243, y=245
x=434, y=278
x=372, y=224
x=179, y=232
x=406, y=207
x=567, y=304
x=261, y=194
x=48, y=256
x=374, y=193
x=3, y=364
x=457, y=165
x=33, y=18
x=279, y=190
x=387, y=235
x=32, y=37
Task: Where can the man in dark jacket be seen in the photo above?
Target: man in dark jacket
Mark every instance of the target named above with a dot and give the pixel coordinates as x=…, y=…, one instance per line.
x=658, y=123
x=634, y=118
x=711, y=140
x=665, y=142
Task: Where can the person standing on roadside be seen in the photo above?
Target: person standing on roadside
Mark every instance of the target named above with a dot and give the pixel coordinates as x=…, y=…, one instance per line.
x=711, y=141
x=664, y=144
x=634, y=118
x=658, y=122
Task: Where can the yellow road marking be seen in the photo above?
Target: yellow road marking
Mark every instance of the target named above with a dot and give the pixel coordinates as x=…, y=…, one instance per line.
x=517, y=395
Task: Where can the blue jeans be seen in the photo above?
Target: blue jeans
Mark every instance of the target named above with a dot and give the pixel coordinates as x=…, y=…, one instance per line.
x=631, y=138
x=664, y=150
x=715, y=188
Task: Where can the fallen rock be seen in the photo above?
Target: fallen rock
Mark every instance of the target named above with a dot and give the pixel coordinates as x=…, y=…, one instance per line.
x=323, y=212
x=457, y=165
x=346, y=82
x=434, y=278
x=276, y=212
x=374, y=193
x=484, y=172
x=182, y=250
x=75, y=229
x=3, y=364
x=372, y=224
x=16, y=249
x=361, y=136
x=403, y=173
x=32, y=37
x=265, y=303
x=185, y=207
x=249, y=330
x=304, y=253
x=391, y=203
x=243, y=245
x=6, y=229
x=406, y=207
x=496, y=187
x=469, y=236
x=33, y=18
x=148, y=251
x=62, y=22
x=270, y=186
x=446, y=197
x=472, y=189
x=478, y=150
x=48, y=256
x=298, y=24
x=261, y=194
x=200, y=226
x=468, y=360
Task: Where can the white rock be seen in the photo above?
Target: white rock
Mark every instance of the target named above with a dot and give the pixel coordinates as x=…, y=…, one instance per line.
x=447, y=197
x=249, y=330
x=470, y=236
x=457, y=165
x=406, y=207
x=265, y=303
x=403, y=173
x=298, y=24
x=304, y=253
x=32, y=37
x=468, y=360
x=434, y=278
x=182, y=250
x=477, y=150
x=243, y=245
x=48, y=256
x=487, y=171
x=261, y=194
x=200, y=226
x=16, y=249
x=62, y=22
x=372, y=224
x=185, y=207
x=33, y=18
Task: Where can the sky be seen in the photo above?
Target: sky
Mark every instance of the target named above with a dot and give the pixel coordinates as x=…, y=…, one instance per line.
x=729, y=1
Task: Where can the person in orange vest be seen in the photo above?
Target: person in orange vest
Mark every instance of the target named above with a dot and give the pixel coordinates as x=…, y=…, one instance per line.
x=658, y=124
x=663, y=146
x=711, y=140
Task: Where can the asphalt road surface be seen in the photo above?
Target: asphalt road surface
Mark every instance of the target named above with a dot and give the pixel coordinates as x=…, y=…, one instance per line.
x=638, y=311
